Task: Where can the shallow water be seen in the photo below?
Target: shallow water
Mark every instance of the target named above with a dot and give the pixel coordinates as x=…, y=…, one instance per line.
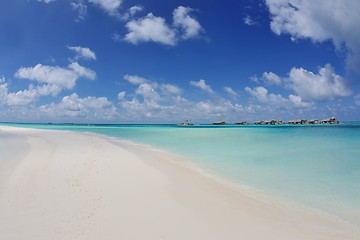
x=314, y=166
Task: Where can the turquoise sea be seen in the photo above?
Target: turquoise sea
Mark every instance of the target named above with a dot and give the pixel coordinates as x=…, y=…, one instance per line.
x=312, y=166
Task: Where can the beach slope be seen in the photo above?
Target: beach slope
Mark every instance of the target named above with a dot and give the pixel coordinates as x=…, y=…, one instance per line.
x=83, y=186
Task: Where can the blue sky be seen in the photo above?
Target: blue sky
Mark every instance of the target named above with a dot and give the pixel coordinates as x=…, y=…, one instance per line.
x=120, y=61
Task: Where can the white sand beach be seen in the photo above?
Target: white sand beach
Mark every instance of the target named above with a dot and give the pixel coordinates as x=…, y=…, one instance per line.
x=81, y=186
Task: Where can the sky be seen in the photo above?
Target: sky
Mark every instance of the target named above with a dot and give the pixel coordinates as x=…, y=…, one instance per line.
x=147, y=61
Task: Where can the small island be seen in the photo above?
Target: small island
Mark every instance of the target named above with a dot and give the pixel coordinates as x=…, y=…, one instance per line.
x=331, y=120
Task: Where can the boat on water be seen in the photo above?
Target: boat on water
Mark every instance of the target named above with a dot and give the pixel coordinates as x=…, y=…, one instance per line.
x=186, y=123
x=219, y=123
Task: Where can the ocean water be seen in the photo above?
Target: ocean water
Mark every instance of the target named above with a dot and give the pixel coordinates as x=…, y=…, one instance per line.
x=317, y=167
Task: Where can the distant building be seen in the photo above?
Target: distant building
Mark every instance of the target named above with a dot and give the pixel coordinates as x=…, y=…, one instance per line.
x=313, y=121
x=219, y=123
x=242, y=123
x=269, y=122
x=299, y=121
x=331, y=120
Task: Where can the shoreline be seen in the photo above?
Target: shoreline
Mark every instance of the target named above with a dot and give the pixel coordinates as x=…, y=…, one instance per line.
x=89, y=186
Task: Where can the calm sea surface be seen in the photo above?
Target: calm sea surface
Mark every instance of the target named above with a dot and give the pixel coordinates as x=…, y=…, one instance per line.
x=312, y=166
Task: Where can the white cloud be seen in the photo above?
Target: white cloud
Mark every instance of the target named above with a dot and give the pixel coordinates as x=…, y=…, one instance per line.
x=150, y=96
x=188, y=24
x=121, y=95
x=298, y=102
x=46, y=1
x=231, y=92
x=307, y=86
x=131, y=12
x=135, y=9
x=155, y=29
x=271, y=78
x=48, y=89
x=63, y=77
x=202, y=85
x=170, y=89
x=249, y=21
x=117, y=37
x=27, y=96
x=357, y=99
x=23, y=97
x=83, y=53
x=81, y=8
x=110, y=6
x=49, y=74
x=263, y=96
x=319, y=21
x=326, y=85
x=150, y=29
x=82, y=71
x=3, y=91
x=74, y=106
x=163, y=102
x=134, y=79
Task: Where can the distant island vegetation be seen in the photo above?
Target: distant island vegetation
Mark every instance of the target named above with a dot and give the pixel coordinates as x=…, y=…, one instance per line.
x=331, y=120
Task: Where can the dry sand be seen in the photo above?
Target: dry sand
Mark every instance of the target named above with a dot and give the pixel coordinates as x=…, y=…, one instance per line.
x=82, y=186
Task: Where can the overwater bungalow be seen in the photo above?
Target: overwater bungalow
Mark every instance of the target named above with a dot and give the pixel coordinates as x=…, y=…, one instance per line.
x=269, y=122
x=313, y=121
x=331, y=120
x=242, y=123
x=299, y=121
x=219, y=123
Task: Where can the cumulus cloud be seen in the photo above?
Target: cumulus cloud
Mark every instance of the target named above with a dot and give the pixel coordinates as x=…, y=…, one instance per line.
x=46, y=1
x=109, y=6
x=308, y=87
x=83, y=53
x=231, y=92
x=82, y=71
x=47, y=89
x=271, y=78
x=121, y=95
x=320, y=21
x=150, y=29
x=63, y=77
x=155, y=29
x=261, y=94
x=161, y=102
x=277, y=100
x=131, y=12
x=325, y=85
x=249, y=21
x=81, y=8
x=26, y=96
x=23, y=97
x=356, y=99
x=3, y=90
x=149, y=95
x=74, y=106
x=134, y=79
x=170, y=89
x=135, y=9
x=298, y=102
x=188, y=24
x=202, y=85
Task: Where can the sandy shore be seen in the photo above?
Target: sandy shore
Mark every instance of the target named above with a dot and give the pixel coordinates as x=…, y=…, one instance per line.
x=79, y=186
